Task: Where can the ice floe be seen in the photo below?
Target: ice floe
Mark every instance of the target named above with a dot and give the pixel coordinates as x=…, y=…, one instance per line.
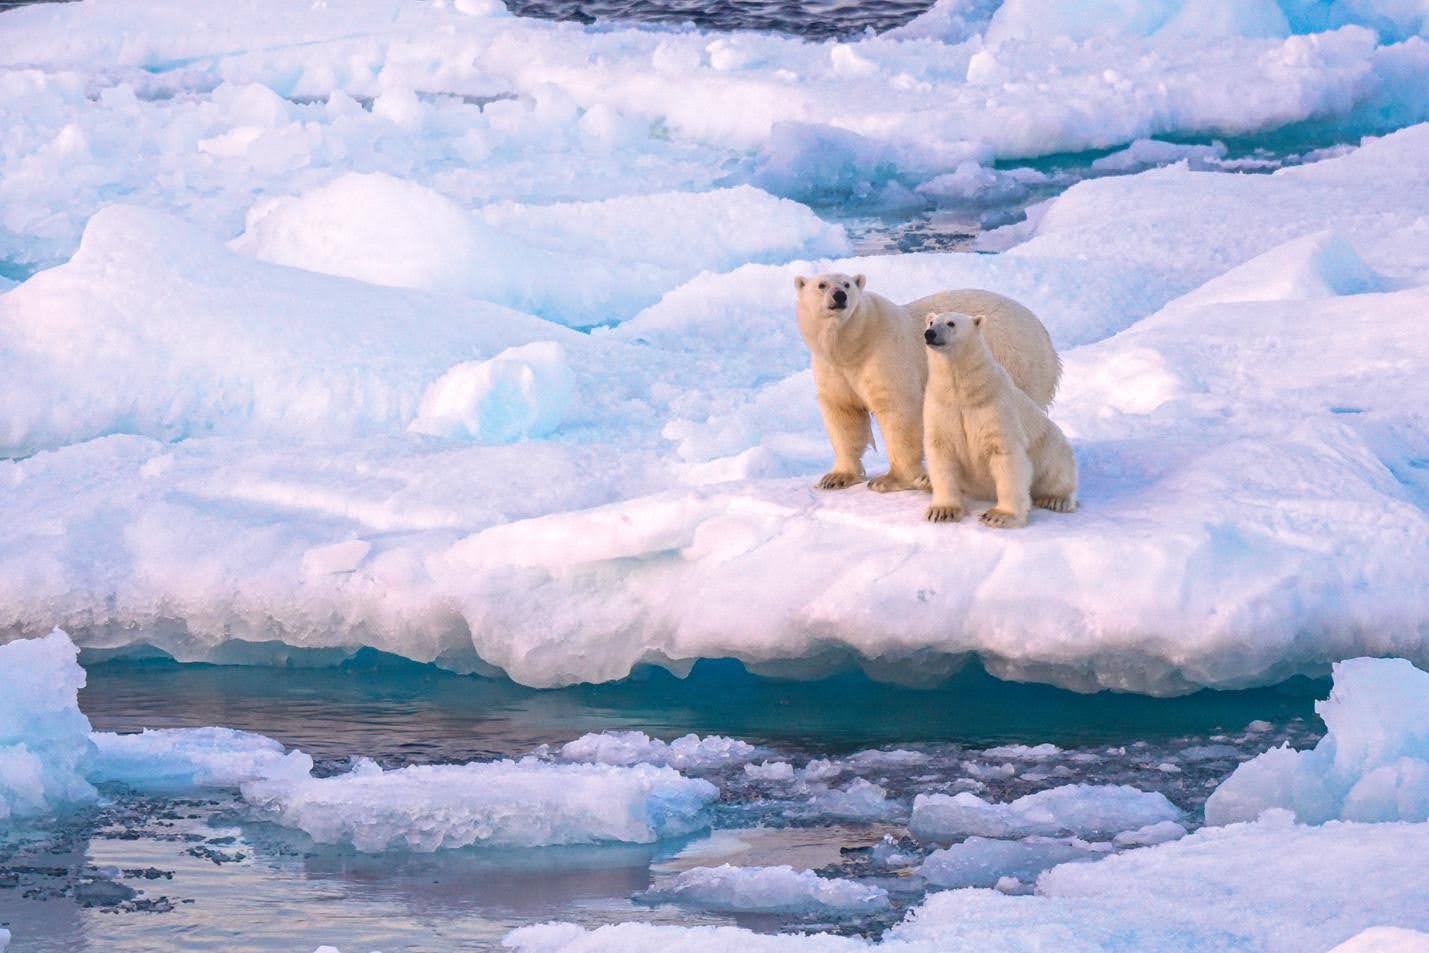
x=1082, y=809
x=779, y=889
x=1372, y=764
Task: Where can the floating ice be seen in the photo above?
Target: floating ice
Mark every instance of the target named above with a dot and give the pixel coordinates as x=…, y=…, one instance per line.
x=177, y=758
x=1372, y=764
x=770, y=890
x=1085, y=810
x=982, y=862
x=521, y=392
x=1159, y=833
x=1271, y=887
x=491, y=804
x=687, y=753
x=861, y=800
x=44, y=739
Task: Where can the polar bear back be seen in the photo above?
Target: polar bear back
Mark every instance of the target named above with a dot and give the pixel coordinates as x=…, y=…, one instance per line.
x=1014, y=334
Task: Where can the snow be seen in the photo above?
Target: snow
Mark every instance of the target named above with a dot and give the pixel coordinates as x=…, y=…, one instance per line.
x=1242, y=887
x=1085, y=810
x=686, y=753
x=521, y=393
x=779, y=889
x=1385, y=940
x=524, y=803
x=1371, y=765
x=44, y=738
x=315, y=381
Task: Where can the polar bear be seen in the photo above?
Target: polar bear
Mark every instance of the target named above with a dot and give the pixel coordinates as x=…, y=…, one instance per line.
x=868, y=358
x=984, y=436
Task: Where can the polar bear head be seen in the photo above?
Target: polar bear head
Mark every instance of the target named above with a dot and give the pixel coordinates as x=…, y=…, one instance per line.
x=829, y=295
x=950, y=330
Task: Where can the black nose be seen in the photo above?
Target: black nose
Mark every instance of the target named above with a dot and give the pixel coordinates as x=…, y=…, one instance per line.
x=930, y=335
x=839, y=296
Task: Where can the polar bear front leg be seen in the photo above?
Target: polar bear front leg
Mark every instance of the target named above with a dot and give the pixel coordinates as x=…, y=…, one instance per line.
x=947, y=491
x=903, y=430
x=848, y=429
x=1012, y=475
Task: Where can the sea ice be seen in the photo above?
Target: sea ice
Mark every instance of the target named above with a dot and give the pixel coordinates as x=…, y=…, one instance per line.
x=491, y=804
x=1267, y=887
x=770, y=890
x=183, y=758
x=982, y=862
x=1371, y=765
x=522, y=392
x=44, y=738
x=687, y=753
x=1086, y=810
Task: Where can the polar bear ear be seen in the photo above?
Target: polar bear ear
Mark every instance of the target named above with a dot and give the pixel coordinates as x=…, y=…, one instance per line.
x=930, y=317
x=859, y=280
x=799, y=282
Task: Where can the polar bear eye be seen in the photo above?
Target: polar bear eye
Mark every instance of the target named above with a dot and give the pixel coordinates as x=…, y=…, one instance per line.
x=845, y=284
x=823, y=285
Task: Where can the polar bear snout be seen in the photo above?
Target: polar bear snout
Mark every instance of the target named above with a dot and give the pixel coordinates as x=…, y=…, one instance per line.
x=931, y=337
x=839, y=299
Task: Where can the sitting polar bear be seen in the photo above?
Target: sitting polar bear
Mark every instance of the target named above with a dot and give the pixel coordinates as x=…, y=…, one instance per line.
x=868, y=358
x=984, y=436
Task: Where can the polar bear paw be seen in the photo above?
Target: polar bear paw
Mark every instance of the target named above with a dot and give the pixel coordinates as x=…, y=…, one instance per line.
x=838, y=480
x=923, y=483
x=945, y=514
x=891, y=482
x=1057, y=504
x=1002, y=519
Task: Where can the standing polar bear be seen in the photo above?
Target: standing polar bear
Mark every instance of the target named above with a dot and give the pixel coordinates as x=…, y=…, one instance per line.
x=868, y=357
x=986, y=437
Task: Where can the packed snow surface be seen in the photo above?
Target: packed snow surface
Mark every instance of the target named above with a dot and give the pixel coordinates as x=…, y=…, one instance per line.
x=770, y=890
x=292, y=359
x=1371, y=765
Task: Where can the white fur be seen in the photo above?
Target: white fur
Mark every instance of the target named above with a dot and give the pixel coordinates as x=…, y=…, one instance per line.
x=868, y=358
x=983, y=436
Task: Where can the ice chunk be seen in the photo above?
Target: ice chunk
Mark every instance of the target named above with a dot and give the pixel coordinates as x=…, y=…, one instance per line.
x=779, y=889
x=169, y=758
x=860, y=800
x=1085, y=810
x=1159, y=833
x=1272, y=887
x=492, y=804
x=1149, y=153
x=982, y=862
x=1372, y=764
x=44, y=738
x=520, y=393
x=687, y=753
x=770, y=771
x=1040, y=752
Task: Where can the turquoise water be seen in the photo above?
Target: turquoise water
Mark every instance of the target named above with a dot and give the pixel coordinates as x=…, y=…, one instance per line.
x=144, y=873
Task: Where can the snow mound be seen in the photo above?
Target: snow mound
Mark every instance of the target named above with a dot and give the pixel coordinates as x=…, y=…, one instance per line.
x=1270, y=887
x=781, y=889
x=1385, y=940
x=687, y=753
x=44, y=738
x=489, y=804
x=520, y=393
x=579, y=263
x=178, y=758
x=1086, y=810
x=155, y=328
x=982, y=862
x=1372, y=764
x=1319, y=265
